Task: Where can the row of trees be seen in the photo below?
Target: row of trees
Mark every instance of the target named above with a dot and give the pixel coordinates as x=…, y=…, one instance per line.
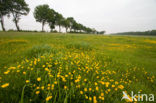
x=42, y=14
x=15, y=7
x=150, y=32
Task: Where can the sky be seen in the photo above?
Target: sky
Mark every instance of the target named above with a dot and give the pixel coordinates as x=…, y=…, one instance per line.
x=109, y=15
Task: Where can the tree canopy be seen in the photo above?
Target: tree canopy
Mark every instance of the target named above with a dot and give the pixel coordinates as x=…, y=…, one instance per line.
x=16, y=8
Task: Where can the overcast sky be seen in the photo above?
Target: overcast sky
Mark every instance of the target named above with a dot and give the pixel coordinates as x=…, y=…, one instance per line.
x=110, y=15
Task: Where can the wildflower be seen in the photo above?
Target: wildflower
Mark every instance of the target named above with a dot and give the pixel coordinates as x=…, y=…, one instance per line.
x=7, y=72
x=90, y=98
x=85, y=80
x=95, y=83
x=55, y=82
x=37, y=92
x=113, y=86
x=18, y=71
x=5, y=85
x=37, y=87
x=86, y=96
x=94, y=99
x=107, y=84
x=38, y=79
x=97, y=88
x=85, y=89
x=46, y=69
x=24, y=73
x=102, y=94
x=27, y=81
x=65, y=87
x=48, y=98
x=121, y=86
x=116, y=83
x=102, y=98
x=90, y=89
x=43, y=66
x=81, y=92
x=42, y=87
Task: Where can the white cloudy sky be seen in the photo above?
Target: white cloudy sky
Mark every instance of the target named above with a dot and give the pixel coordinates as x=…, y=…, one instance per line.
x=110, y=15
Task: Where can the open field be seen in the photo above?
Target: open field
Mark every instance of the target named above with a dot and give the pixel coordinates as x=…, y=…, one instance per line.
x=57, y=68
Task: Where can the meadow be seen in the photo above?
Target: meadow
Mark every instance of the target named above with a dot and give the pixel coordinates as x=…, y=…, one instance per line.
x=75, y=68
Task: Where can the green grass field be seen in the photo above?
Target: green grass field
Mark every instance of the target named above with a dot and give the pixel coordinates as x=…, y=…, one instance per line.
x=75, y=68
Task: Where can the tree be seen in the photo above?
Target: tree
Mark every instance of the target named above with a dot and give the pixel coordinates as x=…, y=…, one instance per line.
x=71, y=22
x=52, y=19
x=18, y=8
x=42, y=15
x=4, y=10
x=59, y=20
x=66, y=24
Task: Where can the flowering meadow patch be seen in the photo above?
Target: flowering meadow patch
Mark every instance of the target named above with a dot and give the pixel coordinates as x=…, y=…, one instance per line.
x=57, y=68
x=68, y=77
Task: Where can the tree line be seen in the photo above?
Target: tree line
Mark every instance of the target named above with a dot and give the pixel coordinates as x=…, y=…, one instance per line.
x=43, y=14
x=148, y=33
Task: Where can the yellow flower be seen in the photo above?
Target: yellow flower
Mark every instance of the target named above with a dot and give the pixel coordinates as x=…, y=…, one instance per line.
x=121, y=86
x=90, y=89
x=85, y=89
x=48, y=98
x=37, y=92
x=116, y=83
x=90, y=98
x=102, y=98
x=94, y=99
x=95, y=83
x=55, y=82
x=113, y=86
x=46, y=69
x=102, y=94
x=86, y=96
x=24, y=73
x=39, y=79
x=81, y=92
x=107, y=84
x=97, y=88
x=42, y=87
x=5, y=85
x=7, y=72
x=43, y=66
x=65, y=87
x=27, y=81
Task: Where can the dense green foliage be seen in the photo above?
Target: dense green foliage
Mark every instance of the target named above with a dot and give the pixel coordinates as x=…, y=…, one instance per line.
x=15, y=7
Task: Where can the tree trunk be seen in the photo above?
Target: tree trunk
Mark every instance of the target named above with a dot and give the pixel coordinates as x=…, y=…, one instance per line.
x=66, y=29
x=16, y=23
x=43, y=26
x=2, y=23
x=59, y=28
x=70, y=29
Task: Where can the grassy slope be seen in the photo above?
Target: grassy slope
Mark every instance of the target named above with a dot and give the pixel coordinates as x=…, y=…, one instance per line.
x=121, y=51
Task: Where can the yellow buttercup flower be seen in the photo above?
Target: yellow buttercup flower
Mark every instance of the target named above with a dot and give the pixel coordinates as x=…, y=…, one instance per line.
x=85, y=89
x=39, y=79
x=81, y=92
x=5, y=85
x=65, y=87
x=27, y=81
x=121, y=86
x=48, y=98
x=37, y=92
